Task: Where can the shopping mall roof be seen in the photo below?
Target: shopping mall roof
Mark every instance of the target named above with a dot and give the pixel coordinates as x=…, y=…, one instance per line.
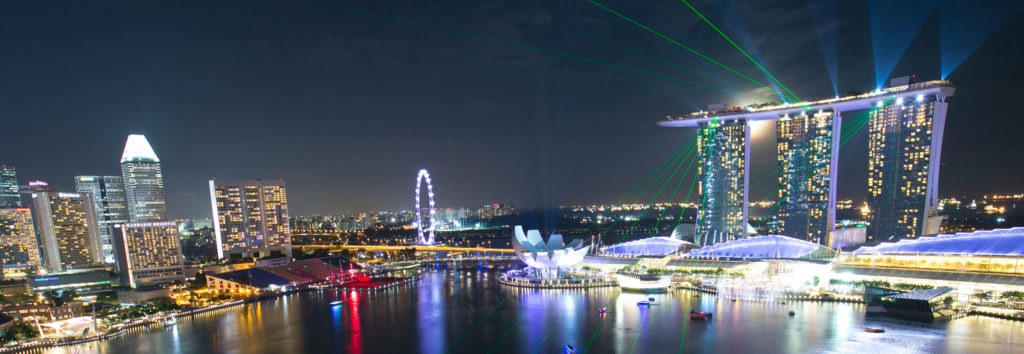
x=651, y=246
x=999, y=242
x=765, y=247
x=933, y=275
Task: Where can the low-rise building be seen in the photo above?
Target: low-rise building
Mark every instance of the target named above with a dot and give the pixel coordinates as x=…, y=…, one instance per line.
x=87, y=282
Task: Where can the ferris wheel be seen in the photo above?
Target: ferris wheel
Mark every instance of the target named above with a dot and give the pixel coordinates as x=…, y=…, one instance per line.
x=427, y=239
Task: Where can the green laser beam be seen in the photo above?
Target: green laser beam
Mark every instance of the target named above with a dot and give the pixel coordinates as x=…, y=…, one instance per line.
x=687, y=199
x=647, y=324
x=643, y=194
x=477, y=323
x=740, y=49
x=599, y=326
x=682, y=337
x=546, y=335
x=648, y=29
x=807, y=175
x=342, y=38
x=599, y=41
x=764, y=177
x=670, y=158
x=673, y=196
x=650, y=204
x=688, y=193
x=703, y=193
x=673, y=163
x=686, y=145
x=508, y=44
x=514, y=325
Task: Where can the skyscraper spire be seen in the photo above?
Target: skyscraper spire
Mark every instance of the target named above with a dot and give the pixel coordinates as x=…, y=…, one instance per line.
x=143, y=181
x=137, y=149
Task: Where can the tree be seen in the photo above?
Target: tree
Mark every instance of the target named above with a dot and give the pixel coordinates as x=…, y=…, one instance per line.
x=19, y=331
x=53, y=298
x=1013, y=295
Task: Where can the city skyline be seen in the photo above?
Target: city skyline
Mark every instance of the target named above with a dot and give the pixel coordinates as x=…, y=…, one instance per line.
x=534, y=166
x=529, y=176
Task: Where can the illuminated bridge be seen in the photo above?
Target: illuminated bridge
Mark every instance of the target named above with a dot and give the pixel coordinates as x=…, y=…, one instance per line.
x=418, y=248
x=905, y=127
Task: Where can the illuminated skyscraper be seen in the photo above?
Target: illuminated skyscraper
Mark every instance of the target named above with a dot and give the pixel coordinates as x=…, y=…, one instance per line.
x=143, y=181
x=250, y=217
x=905, y=141
x=9, y=196
x=109, y=202
x=148, y=253
x=722, y=169
x=806, y=145
x=18, y=247
x=68, y=231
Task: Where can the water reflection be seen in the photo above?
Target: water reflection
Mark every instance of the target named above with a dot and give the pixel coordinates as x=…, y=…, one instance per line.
x=461, y=312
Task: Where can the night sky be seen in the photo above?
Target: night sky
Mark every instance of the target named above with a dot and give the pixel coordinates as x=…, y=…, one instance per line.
x=347, y=100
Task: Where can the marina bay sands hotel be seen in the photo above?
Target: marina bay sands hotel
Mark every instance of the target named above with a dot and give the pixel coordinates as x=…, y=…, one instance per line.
x=905, y=124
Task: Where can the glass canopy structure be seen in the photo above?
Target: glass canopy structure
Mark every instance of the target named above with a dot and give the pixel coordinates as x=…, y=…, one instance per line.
x=996, y=243
x=651, y=246
x=765, y=247
x=985, y=252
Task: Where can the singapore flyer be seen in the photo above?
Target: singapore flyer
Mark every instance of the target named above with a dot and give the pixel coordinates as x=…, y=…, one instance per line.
x=427, y=239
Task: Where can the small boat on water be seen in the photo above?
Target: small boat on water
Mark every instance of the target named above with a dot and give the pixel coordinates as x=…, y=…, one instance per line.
x=874, y=330
x=699, y=315
x=337, y=303
x=568, y=349
x=170, y=321
x=651, y=299
x=602, y=310
x=791, y=313
x=643, y=303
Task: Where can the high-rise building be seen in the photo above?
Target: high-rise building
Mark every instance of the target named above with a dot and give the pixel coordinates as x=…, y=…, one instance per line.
x=148, y=253
x=904, y=145
x=250, y=217
x=68, y=231
x=807, y=168
x=9, y=195
x=18, y=247
x=197, y=240
x=109, y=202
x=722, y=172
x=143, y=181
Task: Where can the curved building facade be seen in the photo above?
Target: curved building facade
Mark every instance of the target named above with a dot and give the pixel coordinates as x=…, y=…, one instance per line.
x=651, y=246
x=765, y=247
x=548, y=258
x=992, y=251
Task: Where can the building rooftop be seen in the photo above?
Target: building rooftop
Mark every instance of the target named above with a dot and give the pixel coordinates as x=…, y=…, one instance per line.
x=651, y=246
x=765, y=247
x=137, y=149
x=999, y=243
x=924, y=295
x=839, y=104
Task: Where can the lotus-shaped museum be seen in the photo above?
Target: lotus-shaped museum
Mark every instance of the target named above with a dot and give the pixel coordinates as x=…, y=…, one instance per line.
x=548, y=258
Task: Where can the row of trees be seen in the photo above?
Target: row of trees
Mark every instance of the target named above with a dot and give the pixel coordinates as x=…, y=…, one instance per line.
x=19, y=332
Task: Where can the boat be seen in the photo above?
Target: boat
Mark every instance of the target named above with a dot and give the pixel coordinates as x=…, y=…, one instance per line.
x=874, y=330
x=699, y=316
x=643, y=303
x=170, y=321
x=651, y=299
x=337, y=303
x=602, y=310
x=791, y=313
x=568, y=349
